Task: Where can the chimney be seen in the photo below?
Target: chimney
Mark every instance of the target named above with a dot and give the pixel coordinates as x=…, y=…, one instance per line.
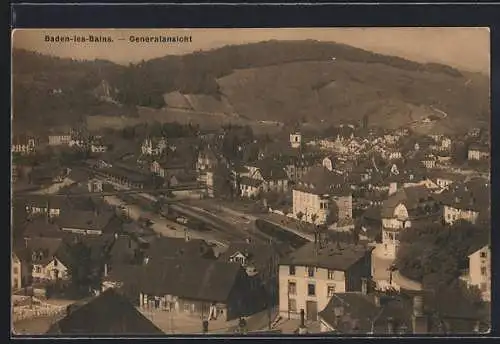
x=302, y=327
x=393, y=187
x=390, y=325
x=364, y=286
x=418, y=306
x=420, y=321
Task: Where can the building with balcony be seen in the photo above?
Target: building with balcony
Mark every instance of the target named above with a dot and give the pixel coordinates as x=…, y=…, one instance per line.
x=403, y=209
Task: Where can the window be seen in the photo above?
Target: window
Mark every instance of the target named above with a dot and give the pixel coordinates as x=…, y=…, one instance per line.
x=292, y=288
x=15, y=270
x=187, y=307
x=291, y=270
x=38, y=269
x=55, y=262
x=483, y=271
x=330, y=290
x=331, y=274
x=292, y=305
x=483, y=254
x=310, y=271
x=311, y=290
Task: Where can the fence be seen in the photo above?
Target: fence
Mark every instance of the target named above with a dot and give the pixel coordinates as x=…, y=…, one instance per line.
x=26, y=313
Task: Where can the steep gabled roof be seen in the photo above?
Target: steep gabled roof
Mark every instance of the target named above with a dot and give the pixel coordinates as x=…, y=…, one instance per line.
x=411, y=197
x=108, y=313
x=319, y=180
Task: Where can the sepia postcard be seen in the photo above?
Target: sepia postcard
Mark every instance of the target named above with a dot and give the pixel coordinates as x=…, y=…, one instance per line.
x=293, y=182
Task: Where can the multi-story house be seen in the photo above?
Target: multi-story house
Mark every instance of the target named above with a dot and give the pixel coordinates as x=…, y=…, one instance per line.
x=154, y=146
x=478, y=152
x=310, y=276
x=263, y=176
x=314, y=193
x=207, y=160
x=49, y=259
x=465, y=202
x=61, y=138
x=444, y=180
x=296, y=139
x=97, y=145
x=43, y=205
x=23, y=145
x=297, y=166
x=401, y=210
x=480, y=271
x=19, y=274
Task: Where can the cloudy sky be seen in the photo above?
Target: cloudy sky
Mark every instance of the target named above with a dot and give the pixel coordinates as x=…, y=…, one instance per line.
x=464, y=48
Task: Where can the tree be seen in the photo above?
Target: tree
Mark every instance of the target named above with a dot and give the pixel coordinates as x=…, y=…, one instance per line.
x=300, y=215
x=332, y=215
x=222, y=181
x=314, y=217
x=439, y=251
x=85, y=274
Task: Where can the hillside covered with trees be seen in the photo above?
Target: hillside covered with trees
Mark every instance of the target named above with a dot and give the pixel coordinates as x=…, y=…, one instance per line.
x=273, y=80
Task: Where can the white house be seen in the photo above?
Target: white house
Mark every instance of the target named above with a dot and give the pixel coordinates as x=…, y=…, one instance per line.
x=60, y=138
x=400, y=210
x=315, y=192
x=49, y=259
x=23, y=145
x=480, y=271
x=154, y=146
x=478, y=152
x=296, y=140
x=263, y=176
x=465, y=202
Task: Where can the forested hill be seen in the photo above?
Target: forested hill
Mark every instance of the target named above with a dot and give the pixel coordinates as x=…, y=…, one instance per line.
x=197, y=73
x=254, y=79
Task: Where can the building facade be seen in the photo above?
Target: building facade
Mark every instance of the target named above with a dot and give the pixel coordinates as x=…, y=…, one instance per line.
x=310, y=277
x=480, y=271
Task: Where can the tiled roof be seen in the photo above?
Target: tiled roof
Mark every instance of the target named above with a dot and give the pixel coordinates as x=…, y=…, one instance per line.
x=108, y=313
x=411, y=197
x=259, y=255
x=331, y=256
x=251, y=182
x=319, y=180
x=166, y=247
x=88, y=220
x=41, y=227
x=48, y=248
x=361, y=314
x=467, y=197
x=196, y=279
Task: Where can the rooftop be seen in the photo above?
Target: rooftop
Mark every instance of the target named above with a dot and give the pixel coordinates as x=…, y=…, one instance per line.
x=108, y=313
x=332, y=256
x=196, y=279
